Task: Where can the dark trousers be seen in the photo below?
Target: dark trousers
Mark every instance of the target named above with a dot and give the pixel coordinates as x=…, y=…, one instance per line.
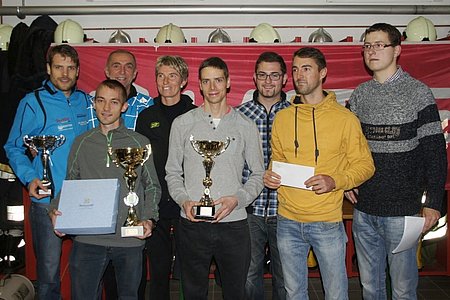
x=228, y=243
x=160, y=250
x=88, y=263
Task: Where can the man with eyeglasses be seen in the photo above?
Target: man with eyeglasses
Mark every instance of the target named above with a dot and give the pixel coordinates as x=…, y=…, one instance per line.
x=400, y=120
x=270, y=77
x=318, y=132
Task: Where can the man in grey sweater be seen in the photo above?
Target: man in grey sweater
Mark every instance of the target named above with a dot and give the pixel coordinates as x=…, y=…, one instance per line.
x=226, y=238
x=88, y=159
x=400, y=120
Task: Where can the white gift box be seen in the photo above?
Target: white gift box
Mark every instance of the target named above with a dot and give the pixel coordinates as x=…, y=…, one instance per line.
x=88, y=206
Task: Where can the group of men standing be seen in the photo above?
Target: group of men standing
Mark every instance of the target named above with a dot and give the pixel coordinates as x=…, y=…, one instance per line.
x=384, y=154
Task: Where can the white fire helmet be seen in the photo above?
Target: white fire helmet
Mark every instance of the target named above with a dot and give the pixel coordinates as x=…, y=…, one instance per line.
x=420, y=29
x=69, y=31
x=264, y=33
x=5, y=35
x=170, y=33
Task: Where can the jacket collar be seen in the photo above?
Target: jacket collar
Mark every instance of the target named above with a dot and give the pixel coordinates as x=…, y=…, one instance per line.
x=133, y=92
x=329, y=98
x=52, y=90
x=256, y=94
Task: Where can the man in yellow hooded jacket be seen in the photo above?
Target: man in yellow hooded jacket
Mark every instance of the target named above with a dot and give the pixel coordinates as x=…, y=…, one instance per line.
x=317, y=132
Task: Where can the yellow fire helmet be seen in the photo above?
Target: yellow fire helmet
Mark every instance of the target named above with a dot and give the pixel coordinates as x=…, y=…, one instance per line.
x=264, y=33
x=420, y=29
x=5, y=35
x=69, y=31
x=170, y=33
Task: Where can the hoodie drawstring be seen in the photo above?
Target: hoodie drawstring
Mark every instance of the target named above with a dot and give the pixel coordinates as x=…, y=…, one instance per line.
x=295, y=130
x=316, y=150
x=297, y=100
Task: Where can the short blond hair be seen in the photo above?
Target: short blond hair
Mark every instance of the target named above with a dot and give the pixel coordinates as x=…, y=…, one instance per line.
x=174, y=61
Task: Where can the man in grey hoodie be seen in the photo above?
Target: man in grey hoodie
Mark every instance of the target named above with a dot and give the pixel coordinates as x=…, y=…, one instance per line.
x=226, y=238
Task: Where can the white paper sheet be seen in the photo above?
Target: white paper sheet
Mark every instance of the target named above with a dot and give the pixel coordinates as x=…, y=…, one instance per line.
x=292, y=174
x=411, y=232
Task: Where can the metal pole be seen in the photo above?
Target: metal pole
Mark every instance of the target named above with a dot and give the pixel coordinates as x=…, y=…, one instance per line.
x=22, y=11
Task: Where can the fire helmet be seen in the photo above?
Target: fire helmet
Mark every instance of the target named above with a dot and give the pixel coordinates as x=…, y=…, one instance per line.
x=320, y=36
x=170, y=33
x=219, y=36
x=264, y=33
x=69, y=31
x=5, y=35
x=119, y=36
x=420, y=29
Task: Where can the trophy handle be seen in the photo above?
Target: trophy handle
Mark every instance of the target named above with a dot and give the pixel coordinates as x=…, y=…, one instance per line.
x=227, y=143
x=194, y=145
x=60, y=141
x=148, y=147
x=29, y=143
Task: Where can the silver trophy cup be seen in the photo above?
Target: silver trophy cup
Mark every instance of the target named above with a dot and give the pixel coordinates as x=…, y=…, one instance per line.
x=45, y=145
x=130, y=159
x=208, y=150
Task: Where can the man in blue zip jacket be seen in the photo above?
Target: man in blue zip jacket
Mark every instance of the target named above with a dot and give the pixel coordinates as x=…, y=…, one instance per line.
x=56, y=108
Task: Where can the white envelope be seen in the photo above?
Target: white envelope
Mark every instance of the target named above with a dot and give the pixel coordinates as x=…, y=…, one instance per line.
x=293, y=175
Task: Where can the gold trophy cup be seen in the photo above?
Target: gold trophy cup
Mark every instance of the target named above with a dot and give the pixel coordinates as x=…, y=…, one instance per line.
x=208, y=150
x=130, y=159
x=45, y=145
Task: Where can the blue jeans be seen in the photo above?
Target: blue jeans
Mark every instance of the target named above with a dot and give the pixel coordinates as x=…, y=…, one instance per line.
x=375, y=238
x=263, y=230
x=47, y=249
x=88, y=263
x=228, y=243
x=328, y=240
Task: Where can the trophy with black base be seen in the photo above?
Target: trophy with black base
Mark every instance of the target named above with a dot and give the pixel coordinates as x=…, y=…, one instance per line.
x=130, y=159
x=208, y=150
x=45, y=145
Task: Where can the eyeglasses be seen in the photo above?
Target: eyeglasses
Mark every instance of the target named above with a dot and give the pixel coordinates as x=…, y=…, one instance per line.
x=376, y=46
x=273, y=76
